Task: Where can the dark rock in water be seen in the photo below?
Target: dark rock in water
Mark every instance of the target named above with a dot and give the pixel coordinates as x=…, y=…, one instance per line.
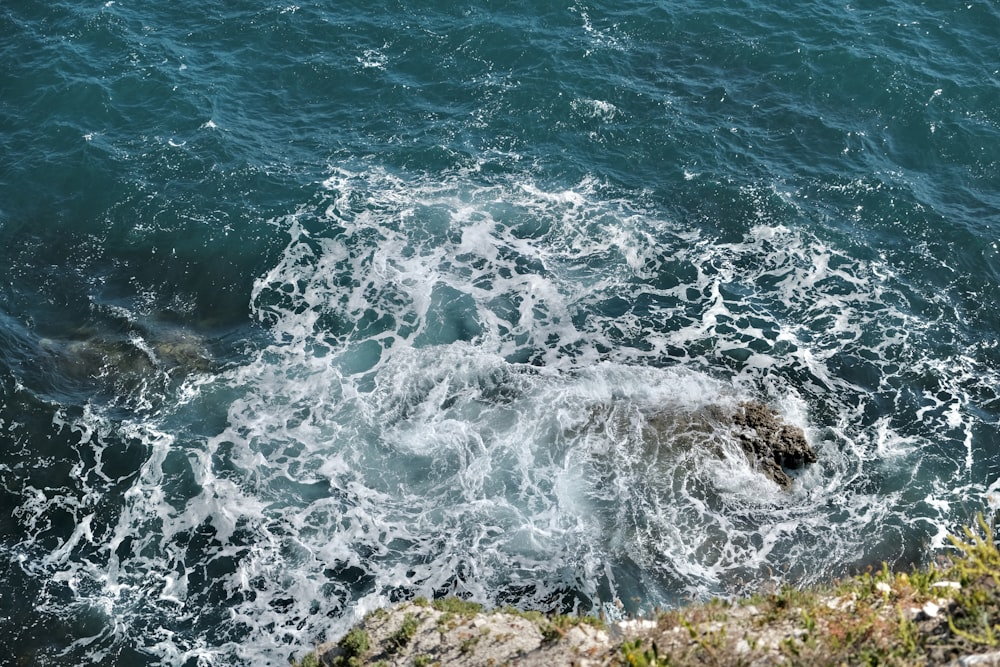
x=129, y=358
x=770, y=442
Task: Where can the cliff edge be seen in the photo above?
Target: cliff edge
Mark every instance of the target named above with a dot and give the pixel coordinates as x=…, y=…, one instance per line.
x=945, y=615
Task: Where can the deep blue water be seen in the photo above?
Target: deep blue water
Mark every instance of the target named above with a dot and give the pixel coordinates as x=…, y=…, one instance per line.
x=310, y=308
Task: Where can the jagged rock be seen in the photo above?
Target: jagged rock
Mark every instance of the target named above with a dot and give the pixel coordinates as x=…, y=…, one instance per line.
x=788, y=627
x=770, y=442
x=460, y=634
x=874, y=618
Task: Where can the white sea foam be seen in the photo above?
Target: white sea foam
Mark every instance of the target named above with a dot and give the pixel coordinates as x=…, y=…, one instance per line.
x=511, y=392
x=598, y=109
x=373, y=59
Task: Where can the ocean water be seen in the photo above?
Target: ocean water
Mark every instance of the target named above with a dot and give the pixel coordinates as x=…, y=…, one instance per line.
x=309, y=308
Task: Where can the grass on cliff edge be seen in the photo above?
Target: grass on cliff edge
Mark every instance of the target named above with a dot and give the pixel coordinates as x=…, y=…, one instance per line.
x=929, y=616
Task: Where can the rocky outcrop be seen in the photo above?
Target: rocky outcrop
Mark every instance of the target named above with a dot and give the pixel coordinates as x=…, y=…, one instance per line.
x=770, y=442
x=883, y=619
x=939, y=617
x=459, y=633
x=771, y=445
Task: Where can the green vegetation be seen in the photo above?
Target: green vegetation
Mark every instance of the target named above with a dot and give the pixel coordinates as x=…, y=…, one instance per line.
x=309, y=660
x=926, y=617
x=533, y=616
x=353, y=646
x=355, y=642
x=446, y=621
x=457, y=606
x=634, y=654
x=978, y=599
x=468, y=644
x=403, y=635
x=379, y=614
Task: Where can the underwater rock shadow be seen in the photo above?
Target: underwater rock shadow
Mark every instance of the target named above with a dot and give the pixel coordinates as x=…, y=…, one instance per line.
x=121, y=361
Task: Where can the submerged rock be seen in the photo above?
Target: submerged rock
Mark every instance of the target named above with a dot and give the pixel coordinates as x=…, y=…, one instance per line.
x=129, y=354
x=770, y=442
x=125, y=365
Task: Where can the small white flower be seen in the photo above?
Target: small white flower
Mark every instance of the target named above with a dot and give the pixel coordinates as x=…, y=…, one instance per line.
x=883, y=587
x=947, y=584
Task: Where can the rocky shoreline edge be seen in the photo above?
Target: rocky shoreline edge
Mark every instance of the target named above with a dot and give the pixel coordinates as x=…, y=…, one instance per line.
x=947, y=614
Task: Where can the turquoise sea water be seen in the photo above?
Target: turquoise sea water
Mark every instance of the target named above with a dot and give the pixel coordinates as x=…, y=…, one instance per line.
x=308, y=308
